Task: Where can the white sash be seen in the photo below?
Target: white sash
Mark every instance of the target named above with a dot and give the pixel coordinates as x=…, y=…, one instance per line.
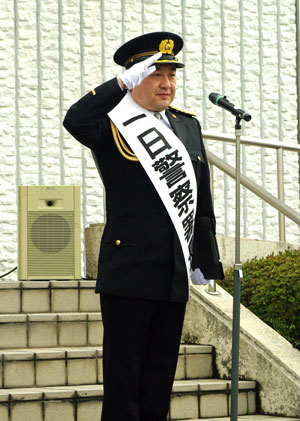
x=166, y=162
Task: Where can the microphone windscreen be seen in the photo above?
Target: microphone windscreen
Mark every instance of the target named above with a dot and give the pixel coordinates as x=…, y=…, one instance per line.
x=213, y=97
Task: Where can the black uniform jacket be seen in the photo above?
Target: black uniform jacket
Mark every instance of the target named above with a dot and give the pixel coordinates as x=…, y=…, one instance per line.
x=140, y=254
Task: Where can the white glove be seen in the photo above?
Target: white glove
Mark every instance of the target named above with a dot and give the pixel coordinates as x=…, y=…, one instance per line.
x=197, y=278
x=133, y=76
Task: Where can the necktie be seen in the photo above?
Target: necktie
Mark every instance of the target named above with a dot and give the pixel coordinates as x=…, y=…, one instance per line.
x=160, y=117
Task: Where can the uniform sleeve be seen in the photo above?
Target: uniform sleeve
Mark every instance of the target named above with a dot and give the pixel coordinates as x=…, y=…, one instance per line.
x=86, y=119
x=205, y=254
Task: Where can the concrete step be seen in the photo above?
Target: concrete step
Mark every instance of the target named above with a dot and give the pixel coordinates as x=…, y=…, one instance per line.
x=43, y=330
x=83, y=365
x=48, y=296
x=256, y=417
x=190, y=400
x=50, y=354
x=210, y=398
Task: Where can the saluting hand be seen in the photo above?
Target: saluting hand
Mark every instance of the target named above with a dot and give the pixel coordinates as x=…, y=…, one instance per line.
x=134, y=76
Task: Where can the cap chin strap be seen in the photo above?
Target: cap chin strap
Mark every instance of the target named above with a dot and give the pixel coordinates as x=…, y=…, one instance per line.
x=145, y=54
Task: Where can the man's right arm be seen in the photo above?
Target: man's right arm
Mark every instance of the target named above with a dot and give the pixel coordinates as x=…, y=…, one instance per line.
x=83, y=119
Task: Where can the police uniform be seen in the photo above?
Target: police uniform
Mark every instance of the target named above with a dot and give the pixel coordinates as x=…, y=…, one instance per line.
x=142, y=276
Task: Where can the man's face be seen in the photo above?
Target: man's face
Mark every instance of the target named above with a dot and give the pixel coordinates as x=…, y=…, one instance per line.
x=157, y=91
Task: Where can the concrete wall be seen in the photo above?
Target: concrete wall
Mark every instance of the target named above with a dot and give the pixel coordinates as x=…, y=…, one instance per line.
x=249, y=249
x=265, y=356
x=52, y=52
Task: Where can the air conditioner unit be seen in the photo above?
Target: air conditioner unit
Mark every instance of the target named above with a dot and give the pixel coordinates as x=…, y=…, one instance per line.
x=49, y=233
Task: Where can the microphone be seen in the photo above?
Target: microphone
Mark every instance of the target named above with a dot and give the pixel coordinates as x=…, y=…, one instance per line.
x=223, y=102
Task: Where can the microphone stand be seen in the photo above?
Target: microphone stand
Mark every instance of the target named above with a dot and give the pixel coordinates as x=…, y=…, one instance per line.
x=223, y=102
x=238, y=275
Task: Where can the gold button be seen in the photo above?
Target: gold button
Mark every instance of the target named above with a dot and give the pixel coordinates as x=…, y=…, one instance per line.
x=118, y=242
x=174, y=116
x=199, y=158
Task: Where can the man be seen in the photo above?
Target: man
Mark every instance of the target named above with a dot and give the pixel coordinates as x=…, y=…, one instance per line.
x=156, y=179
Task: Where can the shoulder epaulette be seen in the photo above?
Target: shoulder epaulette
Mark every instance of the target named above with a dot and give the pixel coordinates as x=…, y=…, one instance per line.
x=178, y=110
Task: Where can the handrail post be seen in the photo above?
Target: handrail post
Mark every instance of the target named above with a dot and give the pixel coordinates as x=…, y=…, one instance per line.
x=212, y=288
x=280, y=189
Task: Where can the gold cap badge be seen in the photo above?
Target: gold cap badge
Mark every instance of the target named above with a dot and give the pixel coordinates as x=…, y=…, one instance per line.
x=166, y=46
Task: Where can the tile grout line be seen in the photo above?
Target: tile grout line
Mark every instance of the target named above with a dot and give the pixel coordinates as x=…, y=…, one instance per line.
x=34, y=369
x=2, y=371
x=66, y=369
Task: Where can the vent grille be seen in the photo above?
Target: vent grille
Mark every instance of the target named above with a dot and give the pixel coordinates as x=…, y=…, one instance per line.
x=51, y=250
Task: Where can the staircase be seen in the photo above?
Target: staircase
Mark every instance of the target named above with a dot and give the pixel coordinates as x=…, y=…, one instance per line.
x=50, y=350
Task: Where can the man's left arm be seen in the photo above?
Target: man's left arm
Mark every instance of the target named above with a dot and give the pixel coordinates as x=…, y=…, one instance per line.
x=205, y=248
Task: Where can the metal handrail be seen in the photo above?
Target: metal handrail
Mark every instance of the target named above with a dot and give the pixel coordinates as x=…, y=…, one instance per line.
x=245, y=140
x=277, y=203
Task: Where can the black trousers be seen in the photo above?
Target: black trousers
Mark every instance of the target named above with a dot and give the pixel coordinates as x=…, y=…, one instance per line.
x=140, y=351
